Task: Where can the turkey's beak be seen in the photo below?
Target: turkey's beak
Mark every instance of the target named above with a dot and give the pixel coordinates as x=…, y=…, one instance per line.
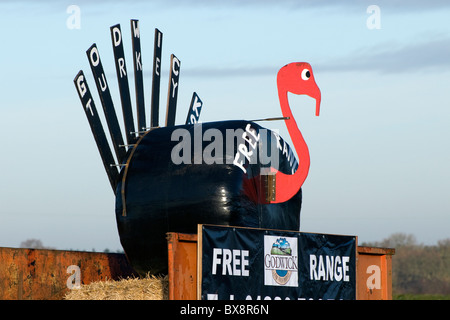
x=318, y=105
x=318, y=96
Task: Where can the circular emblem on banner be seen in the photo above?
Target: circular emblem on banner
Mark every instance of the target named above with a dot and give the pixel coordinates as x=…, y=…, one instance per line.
x=281, y=247
x=280, y=261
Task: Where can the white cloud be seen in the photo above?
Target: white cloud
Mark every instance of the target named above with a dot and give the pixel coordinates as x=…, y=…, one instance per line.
x=432, y=55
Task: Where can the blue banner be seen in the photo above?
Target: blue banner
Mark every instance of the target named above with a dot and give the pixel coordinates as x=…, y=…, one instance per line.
x=257, y=264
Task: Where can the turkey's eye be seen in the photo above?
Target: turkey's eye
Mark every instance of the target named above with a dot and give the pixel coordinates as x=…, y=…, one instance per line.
x=306, y=74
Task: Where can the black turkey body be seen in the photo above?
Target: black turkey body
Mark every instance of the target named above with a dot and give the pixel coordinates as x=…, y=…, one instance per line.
x=155, y=196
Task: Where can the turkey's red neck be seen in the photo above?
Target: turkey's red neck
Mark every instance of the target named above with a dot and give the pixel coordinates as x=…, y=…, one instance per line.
x=287, y=185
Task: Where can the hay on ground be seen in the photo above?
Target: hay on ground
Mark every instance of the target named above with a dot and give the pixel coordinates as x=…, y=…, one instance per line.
x=148, y=288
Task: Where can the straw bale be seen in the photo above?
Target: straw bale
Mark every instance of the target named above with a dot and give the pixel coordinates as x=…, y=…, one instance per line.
x=148, y=288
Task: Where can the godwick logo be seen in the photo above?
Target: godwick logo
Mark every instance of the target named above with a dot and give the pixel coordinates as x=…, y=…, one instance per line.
x=231, y=146
x=280, y=261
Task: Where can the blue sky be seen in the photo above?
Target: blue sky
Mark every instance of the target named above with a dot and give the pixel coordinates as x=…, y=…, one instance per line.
x=379, y=150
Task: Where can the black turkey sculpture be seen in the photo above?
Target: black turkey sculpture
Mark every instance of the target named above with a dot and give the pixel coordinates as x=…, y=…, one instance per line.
x=172, y=178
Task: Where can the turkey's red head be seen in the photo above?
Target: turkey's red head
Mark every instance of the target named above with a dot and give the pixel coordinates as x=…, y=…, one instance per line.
x=298, y=78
